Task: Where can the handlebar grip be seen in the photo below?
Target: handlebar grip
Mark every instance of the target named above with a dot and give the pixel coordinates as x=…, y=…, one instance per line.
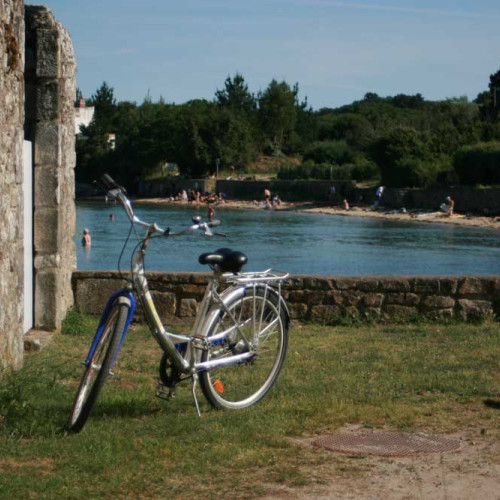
x=214, y=223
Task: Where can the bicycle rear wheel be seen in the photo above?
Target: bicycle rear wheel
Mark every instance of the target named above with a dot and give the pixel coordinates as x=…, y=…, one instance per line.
x=98, y=368
x=260, y=316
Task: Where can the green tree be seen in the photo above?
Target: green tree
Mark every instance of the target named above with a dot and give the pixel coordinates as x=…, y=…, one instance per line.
x=278, y=113
x=104, y=104
x=236, y=96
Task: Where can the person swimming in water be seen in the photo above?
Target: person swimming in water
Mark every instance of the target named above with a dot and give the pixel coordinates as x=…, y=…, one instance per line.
x=86, y=239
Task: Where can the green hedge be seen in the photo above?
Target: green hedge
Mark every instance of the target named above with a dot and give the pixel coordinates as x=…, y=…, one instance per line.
x=362, y=170
x=479, y=163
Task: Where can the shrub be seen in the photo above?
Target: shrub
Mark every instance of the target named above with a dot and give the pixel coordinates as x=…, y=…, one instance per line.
x=330, y=152
x=479, y=163
x=361, y=170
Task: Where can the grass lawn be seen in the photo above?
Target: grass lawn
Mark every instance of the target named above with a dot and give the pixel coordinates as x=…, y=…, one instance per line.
x=427, y=377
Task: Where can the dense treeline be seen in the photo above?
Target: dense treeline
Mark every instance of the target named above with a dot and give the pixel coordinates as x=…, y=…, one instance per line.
x=402, y=140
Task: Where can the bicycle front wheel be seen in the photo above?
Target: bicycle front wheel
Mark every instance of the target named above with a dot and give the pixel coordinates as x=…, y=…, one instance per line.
x=99, y=365
x=258, y=317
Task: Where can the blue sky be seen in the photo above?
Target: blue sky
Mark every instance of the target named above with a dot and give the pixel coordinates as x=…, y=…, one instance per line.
x=336, y=50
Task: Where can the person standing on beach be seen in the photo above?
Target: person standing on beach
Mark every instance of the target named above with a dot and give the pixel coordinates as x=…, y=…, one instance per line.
x=448, y=206
x=378, y=194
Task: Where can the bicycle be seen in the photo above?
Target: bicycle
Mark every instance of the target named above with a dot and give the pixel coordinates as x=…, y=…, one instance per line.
x=239, y=340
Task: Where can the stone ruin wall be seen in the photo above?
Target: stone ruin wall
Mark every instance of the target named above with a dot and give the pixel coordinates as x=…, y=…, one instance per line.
x=50, y=124
x=11, y=178
x=36, y=56
x=321, y=299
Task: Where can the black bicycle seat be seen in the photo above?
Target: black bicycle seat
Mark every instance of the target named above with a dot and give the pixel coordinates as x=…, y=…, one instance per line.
x=225, y=259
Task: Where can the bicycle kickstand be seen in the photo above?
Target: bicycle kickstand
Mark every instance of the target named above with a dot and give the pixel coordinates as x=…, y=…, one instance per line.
x=193, y=390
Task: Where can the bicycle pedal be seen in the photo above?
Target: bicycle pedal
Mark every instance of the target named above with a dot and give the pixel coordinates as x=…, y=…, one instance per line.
x=164, y=392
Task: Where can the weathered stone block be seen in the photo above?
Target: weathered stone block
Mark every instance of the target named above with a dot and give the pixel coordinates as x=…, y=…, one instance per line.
x=165, y=304
x=191, y=291
x=45, y=299
x=46, y=228
x=46, y=261
x=47, y=53
x=373, y=300
x=47, y=98
x=403, y=299
x=47, y=144
x=298, y=311
x=395, y=285
x=448, y=286
x=475, y=286
x=92, y=295
x=46, y=187
x=424, y=285
x=368, y=284
x=397, y=311
x=475, y=309
x=438, y=302
x=440, y=314
x=351, y=297
x=325, y=313
x=199, y=279
x=313, y=297
x=295, y=282
x=345, y=283
x=318, y=283
x=297, y=296
x=188, y=308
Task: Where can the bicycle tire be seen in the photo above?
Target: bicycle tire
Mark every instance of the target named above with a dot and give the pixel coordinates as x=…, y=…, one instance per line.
x=242, y=385
x=98, y=368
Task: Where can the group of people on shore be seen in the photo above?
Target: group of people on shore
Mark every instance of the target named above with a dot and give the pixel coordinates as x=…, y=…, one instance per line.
x=447, y=207
x=197, y=197
x=269, y=202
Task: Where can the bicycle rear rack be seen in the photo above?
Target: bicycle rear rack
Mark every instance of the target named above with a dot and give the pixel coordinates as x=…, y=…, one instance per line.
x=268, y=276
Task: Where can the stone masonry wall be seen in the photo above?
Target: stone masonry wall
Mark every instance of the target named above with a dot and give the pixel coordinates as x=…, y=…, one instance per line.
x=50, y=96
x=11, y=178
x=324, y=299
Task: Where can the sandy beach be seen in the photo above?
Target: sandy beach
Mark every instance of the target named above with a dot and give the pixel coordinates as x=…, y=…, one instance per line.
x=418, y=216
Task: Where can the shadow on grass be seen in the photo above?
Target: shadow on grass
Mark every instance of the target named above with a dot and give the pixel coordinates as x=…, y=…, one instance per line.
x=492, y=403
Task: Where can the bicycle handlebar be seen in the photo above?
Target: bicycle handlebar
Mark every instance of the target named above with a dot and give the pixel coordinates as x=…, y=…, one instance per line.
x=113, y=190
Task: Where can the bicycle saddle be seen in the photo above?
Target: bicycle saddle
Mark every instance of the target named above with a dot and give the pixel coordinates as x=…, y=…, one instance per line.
x=225, y=259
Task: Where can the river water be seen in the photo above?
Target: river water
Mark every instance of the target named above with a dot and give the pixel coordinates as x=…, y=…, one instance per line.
x=296, y=242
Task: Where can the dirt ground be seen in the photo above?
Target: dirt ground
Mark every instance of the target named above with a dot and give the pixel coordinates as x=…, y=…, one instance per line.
x=471, y=473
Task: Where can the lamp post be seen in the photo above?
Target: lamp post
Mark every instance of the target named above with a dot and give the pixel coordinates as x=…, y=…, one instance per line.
x=217, y=162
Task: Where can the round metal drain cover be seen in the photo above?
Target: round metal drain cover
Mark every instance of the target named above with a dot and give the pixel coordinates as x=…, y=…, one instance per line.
x=389, y=444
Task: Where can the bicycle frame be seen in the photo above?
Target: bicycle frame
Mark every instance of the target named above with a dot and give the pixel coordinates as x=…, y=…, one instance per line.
x=167, y=340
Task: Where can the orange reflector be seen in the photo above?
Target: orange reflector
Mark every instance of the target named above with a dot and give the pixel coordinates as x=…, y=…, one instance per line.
x=219, y=386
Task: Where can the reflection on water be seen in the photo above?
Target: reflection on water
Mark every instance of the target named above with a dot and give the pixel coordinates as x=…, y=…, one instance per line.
x=295, y=242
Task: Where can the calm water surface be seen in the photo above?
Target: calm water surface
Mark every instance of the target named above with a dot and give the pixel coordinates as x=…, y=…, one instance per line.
x=295, y=242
